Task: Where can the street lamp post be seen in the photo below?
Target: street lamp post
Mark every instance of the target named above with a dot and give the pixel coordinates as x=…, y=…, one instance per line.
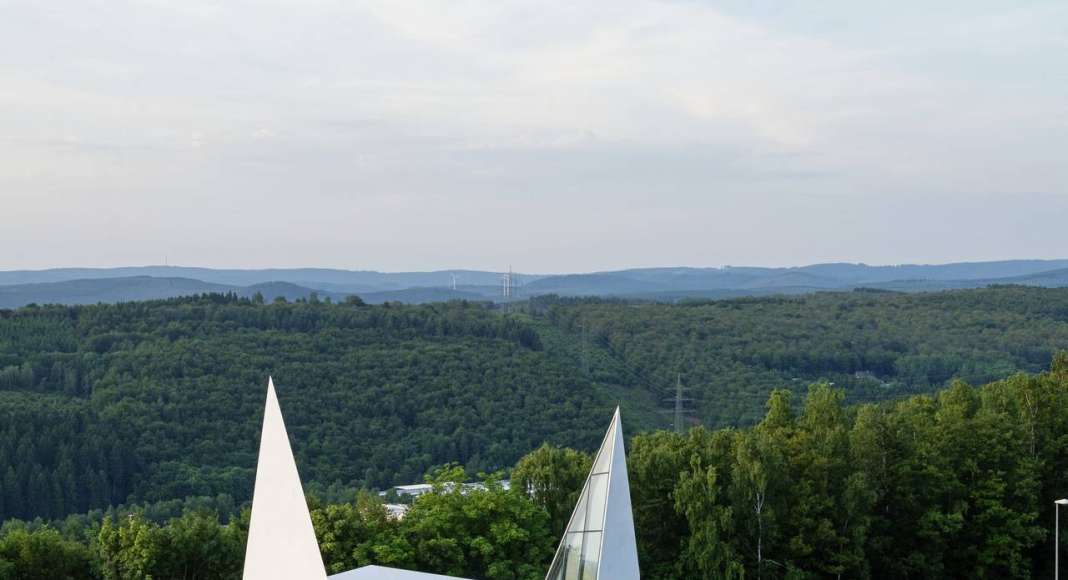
x=1057, y=538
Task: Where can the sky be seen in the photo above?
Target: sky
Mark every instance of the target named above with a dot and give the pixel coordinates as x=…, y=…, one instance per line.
x=549, y=136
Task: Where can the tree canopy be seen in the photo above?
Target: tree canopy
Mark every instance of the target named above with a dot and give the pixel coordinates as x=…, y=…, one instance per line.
x=956, y=484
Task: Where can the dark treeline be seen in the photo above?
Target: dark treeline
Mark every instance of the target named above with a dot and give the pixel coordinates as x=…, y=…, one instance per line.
x=958, y=484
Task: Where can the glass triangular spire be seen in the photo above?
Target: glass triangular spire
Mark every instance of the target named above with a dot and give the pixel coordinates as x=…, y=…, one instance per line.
x=599, y=542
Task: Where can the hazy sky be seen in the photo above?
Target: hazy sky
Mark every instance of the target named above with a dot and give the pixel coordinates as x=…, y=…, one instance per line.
x=547, y=135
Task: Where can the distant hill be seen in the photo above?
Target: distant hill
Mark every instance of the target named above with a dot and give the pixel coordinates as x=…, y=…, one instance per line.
x=863, y=273
x=103, y=290
x=272, y=290
x=90, y=285
x=347, y=281
x=595, y=284
x=675, y=283
x=134, y=288
x=424, y=295
x=1050, y=279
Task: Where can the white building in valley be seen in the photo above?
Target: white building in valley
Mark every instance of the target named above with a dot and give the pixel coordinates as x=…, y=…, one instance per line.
x=418, y=489
x=396, y=511
x=383, y=573
x=598, y=544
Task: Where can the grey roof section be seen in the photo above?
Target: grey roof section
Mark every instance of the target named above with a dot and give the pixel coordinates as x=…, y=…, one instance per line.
x=383, y=573
x=599, y=542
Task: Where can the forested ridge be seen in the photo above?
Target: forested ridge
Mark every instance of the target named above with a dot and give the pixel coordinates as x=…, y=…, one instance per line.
x=958, y=484
x=159, y=400
x=877, y=345
x=154, y=401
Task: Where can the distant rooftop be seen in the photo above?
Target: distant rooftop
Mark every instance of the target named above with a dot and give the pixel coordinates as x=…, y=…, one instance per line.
x=382, y=573
x=417, y=489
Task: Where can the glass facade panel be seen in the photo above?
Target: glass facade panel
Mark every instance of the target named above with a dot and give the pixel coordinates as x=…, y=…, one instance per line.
x=559, y=568
x=598, y=493
x=578, y=520
x=591, y=555
x=580, y=558
x=557, y=571
x=573, y=557
x=604, y=456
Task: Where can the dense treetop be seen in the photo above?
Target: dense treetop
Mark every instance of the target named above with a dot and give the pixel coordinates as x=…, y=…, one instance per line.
x=877, y=345
x=160, y=400
x=958, y=484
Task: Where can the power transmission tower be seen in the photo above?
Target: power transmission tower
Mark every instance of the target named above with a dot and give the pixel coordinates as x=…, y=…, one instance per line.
x=680, y=410
x=585, y=355
x=507, y=283
x=678, y=403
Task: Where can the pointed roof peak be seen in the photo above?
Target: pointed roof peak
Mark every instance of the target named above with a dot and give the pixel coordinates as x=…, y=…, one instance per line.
x=599, y=542
x=615, y=430
x=281, y=540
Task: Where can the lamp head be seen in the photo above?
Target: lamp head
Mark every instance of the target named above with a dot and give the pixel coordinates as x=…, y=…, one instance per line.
x=1061, y=502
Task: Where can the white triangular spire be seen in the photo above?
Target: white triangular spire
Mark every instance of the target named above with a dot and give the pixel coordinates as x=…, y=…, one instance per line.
x=281, y=540
x=599, y=542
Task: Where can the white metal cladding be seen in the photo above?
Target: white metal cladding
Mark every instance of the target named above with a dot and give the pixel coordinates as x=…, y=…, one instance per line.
x=599, y=542
x=281, y=540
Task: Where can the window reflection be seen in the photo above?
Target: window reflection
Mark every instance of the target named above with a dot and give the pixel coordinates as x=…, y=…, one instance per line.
x=598, y=491
x=591, y=555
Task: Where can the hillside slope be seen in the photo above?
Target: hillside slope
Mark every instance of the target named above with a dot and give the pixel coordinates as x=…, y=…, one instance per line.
x=878, y=345
x=159, y=400
x=156, y=400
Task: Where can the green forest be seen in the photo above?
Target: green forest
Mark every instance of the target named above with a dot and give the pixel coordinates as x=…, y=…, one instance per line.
x=151, y=411
x=957, y=484
x=877, y=345
x=151, y=401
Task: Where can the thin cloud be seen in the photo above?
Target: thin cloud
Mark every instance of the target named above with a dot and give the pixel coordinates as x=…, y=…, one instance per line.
x=419, y=134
